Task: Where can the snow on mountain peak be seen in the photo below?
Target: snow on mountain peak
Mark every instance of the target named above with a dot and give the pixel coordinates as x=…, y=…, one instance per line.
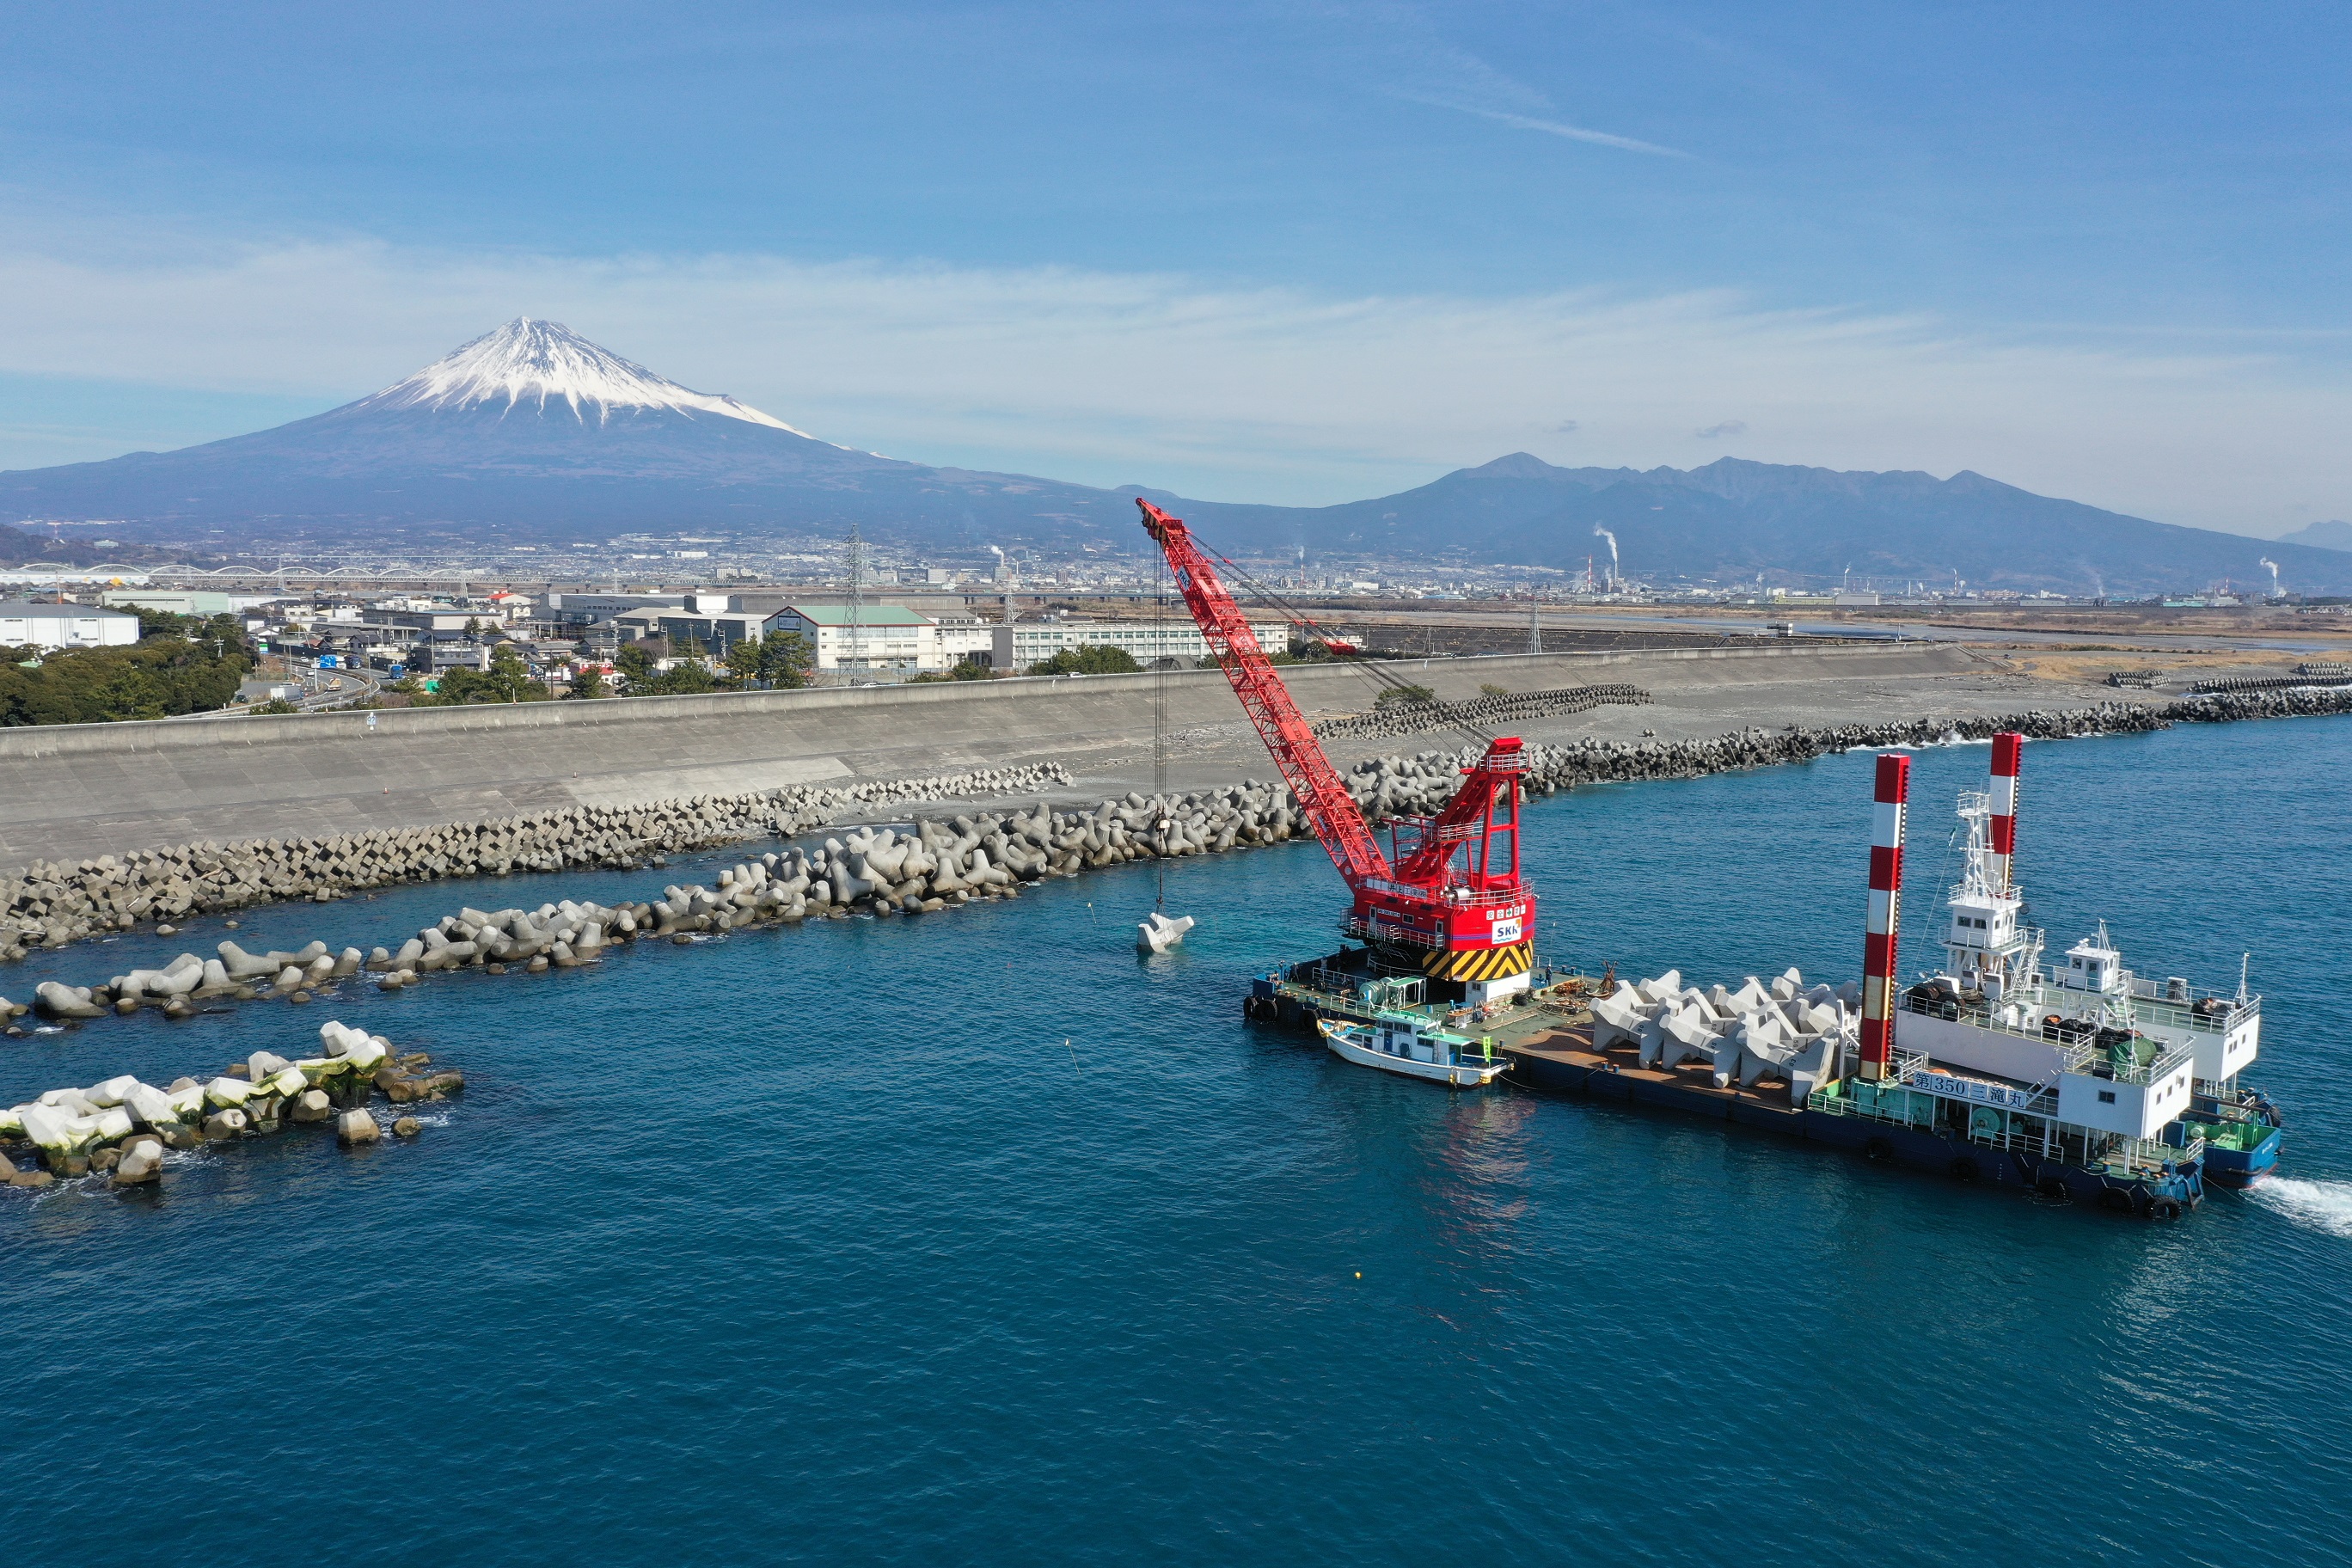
x=543, y=361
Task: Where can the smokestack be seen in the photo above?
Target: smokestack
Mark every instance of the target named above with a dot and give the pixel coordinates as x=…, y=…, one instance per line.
x=2273, y=568
x=2007, y=750
x=1893, y=788
x=1601, y=533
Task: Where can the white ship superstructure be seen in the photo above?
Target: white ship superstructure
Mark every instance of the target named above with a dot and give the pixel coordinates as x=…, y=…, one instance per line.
x=2083, y=1061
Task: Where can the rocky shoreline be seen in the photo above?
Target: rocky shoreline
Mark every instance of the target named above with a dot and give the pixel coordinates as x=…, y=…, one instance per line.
x=877, y=871
x=121, y=1127
x=52, y=905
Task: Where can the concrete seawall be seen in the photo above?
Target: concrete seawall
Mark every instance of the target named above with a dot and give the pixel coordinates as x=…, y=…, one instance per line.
x=71, y=792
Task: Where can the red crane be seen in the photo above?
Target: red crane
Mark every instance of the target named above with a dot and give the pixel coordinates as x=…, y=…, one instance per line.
x=1451, y=902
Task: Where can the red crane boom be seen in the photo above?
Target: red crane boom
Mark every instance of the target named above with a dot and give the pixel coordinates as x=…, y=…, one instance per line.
x=1322, y=792
x=1462, y=914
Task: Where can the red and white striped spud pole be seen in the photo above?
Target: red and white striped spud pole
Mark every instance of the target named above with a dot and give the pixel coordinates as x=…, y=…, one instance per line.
x=2007, y=750
x=1886, y=915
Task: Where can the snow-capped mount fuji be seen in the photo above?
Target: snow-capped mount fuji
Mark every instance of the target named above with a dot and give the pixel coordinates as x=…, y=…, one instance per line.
x=538, y=433
x=534, y=361
x=532, y=433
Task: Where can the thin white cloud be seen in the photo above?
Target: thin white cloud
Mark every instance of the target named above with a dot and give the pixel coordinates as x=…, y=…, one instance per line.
x=1549, y=127
x=1720, y=428
x=1271, y=395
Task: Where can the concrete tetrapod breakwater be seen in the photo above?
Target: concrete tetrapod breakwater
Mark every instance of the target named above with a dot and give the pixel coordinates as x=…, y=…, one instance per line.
x=123, y=1126
x=1563, y=767
x=872, y=871
x=882, y=871
x=52, y=905
x=1482, y=712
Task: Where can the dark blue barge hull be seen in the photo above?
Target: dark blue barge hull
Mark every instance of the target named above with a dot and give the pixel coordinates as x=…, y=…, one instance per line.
x=1911, y=1148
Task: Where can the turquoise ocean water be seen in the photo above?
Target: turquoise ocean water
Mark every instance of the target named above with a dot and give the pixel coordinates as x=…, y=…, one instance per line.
x=973, y=1239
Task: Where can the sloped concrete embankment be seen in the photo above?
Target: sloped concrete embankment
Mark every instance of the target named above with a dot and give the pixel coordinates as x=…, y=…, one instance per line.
x=885, y=872
x=71, y=793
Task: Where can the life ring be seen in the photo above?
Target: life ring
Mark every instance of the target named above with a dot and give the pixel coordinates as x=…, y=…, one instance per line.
x=1964, y=1169
x=1878, y=1151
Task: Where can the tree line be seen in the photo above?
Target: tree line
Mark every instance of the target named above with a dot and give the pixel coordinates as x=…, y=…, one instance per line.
x=182, y=665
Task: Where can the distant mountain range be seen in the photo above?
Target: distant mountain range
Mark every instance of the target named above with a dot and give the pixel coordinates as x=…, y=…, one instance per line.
x=534, y=433
x=2330, y=535
x=1734, y=519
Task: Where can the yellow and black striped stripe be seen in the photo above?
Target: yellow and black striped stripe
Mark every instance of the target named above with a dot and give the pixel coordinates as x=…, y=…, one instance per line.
x=1480, y=963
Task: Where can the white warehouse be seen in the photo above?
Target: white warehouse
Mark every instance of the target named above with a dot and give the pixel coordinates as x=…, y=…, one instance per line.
x=24, y=623
x=1025, y=645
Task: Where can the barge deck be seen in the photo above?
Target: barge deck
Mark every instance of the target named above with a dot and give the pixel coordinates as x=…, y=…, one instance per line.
x=1548, y=1034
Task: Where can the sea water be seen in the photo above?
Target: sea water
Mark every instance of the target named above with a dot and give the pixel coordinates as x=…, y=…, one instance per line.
x=975, y=1238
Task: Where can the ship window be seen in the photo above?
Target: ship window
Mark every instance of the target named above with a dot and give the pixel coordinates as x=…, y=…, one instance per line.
x=2106, y=1097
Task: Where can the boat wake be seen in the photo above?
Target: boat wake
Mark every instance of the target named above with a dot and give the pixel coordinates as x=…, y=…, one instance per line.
x=2321, y=1206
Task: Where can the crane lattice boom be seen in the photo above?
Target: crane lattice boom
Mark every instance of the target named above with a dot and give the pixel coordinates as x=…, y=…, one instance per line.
x=1322, y=793
x=1473, y=919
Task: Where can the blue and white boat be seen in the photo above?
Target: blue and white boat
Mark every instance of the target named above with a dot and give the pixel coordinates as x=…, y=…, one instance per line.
x=1412, y=1046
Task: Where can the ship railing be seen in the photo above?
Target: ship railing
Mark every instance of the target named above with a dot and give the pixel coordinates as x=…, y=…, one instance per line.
x=1905, y=1063
x=2139, y=1157
x=1388, y=927
x=2162, y=1067
x=1832, y=1103
x=2173, y=1013
x=2082, y=1055
x=2225, y=1093
x=1450, y=895
x=2012, y=1140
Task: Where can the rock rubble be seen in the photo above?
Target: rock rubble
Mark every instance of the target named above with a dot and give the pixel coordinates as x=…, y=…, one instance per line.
x=122, y=1125
x=1415, y=785
x=887, y=872
x=53, y=904
x=1480, y=714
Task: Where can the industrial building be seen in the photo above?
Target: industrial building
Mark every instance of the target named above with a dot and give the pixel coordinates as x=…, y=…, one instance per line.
x=1025, y=645
x=179, y=602
x=25, y=624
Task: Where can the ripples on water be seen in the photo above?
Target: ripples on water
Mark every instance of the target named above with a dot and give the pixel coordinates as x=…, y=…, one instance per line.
x=972, y=1239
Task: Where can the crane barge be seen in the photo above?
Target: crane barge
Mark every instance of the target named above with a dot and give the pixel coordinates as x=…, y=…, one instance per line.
x=2080, y=1081
x=1443, y=912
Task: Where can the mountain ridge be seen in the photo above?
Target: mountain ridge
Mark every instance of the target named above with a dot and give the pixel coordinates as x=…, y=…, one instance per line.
x=2333, y=535
x=535, y=433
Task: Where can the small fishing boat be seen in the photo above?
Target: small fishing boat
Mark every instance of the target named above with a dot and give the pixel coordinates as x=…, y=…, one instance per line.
x=1411, y=1045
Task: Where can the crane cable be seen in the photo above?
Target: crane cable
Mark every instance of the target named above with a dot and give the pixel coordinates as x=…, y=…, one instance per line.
x=1368, y=669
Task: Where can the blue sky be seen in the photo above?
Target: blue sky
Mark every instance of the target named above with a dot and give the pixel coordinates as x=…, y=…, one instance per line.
x=1297, y=252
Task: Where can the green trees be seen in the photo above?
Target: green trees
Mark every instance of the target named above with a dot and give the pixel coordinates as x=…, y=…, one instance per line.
x=1400, y=694
x=967, y=667
x=154, y=679
x=690, y=677
x=509, y=679
x=634, y=663
x=777, y=661
x=786, y=658
x=1094, y=658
